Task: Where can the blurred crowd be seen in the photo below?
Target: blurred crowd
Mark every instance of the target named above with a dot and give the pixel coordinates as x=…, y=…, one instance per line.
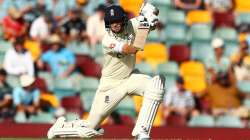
x=48, y=47
x=209, y=59
x=51, y=58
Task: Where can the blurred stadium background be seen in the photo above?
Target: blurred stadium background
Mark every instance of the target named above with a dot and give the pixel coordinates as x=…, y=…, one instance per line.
x=201, y=46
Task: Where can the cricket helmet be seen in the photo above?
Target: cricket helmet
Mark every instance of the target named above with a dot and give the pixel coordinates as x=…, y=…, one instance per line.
x=115, y=13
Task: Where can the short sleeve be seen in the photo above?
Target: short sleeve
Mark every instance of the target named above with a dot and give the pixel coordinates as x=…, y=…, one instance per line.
x=34, y=29
x=70, y=56
x=36, y=96
x=226, y=62
x=46, y=56
x=16, y=96
x=209, y=63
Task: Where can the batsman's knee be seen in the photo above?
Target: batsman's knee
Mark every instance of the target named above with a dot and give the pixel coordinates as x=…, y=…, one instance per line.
x=156, y=88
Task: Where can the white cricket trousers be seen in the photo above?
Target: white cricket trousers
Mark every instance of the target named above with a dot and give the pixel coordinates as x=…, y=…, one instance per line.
x=106, y=100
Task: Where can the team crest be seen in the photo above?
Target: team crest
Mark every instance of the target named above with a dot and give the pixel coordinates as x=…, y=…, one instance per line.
x=112, y=12
x=106, y=100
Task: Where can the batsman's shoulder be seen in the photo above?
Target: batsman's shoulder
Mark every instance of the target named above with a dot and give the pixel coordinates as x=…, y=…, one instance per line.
x=108, y=43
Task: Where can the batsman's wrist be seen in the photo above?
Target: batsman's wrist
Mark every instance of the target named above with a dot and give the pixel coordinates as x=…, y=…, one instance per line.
x=127, y=49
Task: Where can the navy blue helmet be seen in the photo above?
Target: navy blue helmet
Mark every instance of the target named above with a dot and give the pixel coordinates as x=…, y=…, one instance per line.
x=115, y=13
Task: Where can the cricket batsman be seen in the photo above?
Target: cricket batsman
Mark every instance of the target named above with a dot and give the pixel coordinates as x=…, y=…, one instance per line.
x=118, y=77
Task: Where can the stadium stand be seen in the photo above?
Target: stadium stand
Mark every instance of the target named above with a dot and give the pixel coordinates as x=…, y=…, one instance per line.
x=179, y=53
x=194, y=75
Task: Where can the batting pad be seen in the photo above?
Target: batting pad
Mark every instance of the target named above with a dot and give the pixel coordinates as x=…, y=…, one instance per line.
x=152, y=99
x=146, y=117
